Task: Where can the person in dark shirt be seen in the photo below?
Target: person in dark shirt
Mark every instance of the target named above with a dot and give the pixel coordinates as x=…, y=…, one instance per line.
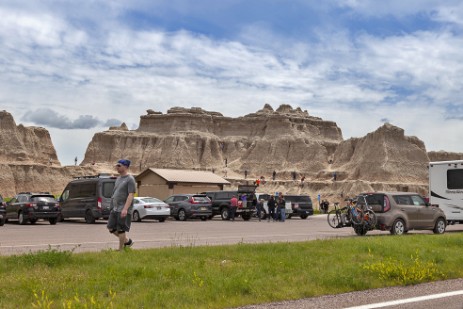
x=271, y=208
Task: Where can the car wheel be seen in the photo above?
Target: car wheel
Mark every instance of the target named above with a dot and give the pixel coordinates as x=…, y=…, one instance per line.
x=89, y=218
x=21, y=219
x=439, y=228
x=33, y=221
x=304, y=216
x=224, y=213
x=203, y=218
x=2, y=222
x=53, y=221
x=287, y=216
x=182, y=215
x=263, y=215
x=136, y=216
x=398, y=227
x=360, y=230
x=246, y=217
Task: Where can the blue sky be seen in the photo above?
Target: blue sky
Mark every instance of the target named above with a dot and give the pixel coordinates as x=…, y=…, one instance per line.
x=77, y=67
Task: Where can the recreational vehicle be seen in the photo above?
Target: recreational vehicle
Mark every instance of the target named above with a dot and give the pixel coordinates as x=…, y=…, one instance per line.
x=446, y=188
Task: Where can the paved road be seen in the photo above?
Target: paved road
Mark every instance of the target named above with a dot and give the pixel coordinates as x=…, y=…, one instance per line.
x=81, y=237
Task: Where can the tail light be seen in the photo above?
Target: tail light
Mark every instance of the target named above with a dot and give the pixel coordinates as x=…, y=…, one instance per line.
x=31, y=205
x=99, y=203
x=148, y=206
x=387, y=204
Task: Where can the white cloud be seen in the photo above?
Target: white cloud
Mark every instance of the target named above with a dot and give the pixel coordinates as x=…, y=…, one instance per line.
x=59, y=60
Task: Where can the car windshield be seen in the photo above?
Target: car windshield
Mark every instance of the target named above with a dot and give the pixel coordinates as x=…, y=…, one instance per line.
x=151, y=200
x=298, y=198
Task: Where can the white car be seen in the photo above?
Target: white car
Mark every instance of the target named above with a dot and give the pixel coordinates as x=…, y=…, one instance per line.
x=149, y=208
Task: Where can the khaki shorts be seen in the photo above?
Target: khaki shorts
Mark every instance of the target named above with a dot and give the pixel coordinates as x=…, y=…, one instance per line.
x=118, y=224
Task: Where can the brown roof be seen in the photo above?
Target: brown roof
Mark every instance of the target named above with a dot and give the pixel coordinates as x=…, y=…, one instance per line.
x=172, y=175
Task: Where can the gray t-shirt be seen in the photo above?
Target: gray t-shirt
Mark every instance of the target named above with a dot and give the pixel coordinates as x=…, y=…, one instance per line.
x=123, y=186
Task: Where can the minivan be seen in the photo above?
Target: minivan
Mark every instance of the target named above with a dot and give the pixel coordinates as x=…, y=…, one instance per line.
x=88, y=197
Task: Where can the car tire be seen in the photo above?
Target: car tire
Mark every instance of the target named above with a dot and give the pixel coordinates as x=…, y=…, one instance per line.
x=398, y=227
x=53, y=221
x=89, y=218
x=181, y=215
x=21, y=219
x=162, y=219
x=2, y=222
x=224, y=213
x=246, y=216
x=287, y=216
x=439, y=228
x=360, y=230
x=33, y=221
x=263, y=215
x=203, y=218
x=136, y=216
x=304, y=217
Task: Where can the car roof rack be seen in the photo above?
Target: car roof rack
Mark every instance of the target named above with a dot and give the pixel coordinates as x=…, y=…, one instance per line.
x=34, y=193
x=100, y=175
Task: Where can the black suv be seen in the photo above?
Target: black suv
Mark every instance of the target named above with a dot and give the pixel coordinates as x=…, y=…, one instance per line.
x=221, y=202
x=88, y=197
x=184, y=206
x=2, y=211
x=31, y=206
x=301, y=205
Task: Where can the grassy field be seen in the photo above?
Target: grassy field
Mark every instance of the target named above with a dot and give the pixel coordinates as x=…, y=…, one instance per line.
x=225, y=276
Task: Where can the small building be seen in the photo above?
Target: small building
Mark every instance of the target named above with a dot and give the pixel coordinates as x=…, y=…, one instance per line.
x=162, y=183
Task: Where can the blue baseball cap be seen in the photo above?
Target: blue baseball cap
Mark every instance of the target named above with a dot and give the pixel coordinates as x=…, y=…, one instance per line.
x=124, y=162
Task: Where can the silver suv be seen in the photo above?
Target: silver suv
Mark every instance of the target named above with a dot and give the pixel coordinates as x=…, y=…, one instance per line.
x=400, y=212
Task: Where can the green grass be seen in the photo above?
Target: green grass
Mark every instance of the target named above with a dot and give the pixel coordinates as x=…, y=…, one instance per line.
x=225, y=276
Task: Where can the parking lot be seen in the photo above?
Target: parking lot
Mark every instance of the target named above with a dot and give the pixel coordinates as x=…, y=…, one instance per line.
x=78, y=236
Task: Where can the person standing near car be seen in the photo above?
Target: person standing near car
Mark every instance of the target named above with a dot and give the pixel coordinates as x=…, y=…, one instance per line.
x=233, y=206
x=120, y=217
x=281, y=207
x=271, y=208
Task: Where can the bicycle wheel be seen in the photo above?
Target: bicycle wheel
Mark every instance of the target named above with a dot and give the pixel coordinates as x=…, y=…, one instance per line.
x=370, y=219
x=334, y=219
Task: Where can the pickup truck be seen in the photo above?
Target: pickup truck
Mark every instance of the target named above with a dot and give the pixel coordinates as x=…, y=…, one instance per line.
x=221, y=202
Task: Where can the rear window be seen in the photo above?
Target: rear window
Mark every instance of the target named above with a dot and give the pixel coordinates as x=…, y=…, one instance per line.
x=48, y=199
x=455, y=179
x=201, y=199
x=107, y=189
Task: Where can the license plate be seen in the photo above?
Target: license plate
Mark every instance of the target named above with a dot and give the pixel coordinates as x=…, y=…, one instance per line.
x=45, y=207
x=203, y=208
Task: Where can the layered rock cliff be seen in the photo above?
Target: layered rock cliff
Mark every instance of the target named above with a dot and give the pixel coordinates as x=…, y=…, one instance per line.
x=285, y=139
x=22, y=144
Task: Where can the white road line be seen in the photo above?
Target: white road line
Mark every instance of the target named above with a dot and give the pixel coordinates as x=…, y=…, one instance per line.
x=408, y=300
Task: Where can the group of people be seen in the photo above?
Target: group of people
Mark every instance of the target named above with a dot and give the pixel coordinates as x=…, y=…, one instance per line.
x=276, y=207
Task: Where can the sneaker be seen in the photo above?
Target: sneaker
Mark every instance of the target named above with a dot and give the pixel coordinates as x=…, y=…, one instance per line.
x=129, y=243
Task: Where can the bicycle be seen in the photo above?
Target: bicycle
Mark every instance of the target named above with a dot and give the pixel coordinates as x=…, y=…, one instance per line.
x=339, y=217
x=366, y=218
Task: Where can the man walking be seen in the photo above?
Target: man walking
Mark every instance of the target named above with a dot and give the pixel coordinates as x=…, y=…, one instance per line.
x=120, y=217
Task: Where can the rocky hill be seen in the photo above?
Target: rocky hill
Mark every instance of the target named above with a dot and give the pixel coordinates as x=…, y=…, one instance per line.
x=286, y=140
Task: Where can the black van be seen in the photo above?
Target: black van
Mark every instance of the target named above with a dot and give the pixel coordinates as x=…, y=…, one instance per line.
x=87, y=197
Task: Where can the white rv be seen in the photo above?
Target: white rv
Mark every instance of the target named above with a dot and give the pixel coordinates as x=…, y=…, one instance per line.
x=446, y=188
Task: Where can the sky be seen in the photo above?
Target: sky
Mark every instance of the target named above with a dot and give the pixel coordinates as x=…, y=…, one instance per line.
x=78, y=67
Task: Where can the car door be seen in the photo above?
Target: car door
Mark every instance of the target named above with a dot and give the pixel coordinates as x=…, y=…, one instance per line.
x=179, y=202
x=408, y=209
x=425, y=214
x=170, y=202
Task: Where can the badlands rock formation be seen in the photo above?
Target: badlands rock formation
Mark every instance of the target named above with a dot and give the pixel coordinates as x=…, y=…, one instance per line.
x=285, y=140
x=29, y=160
